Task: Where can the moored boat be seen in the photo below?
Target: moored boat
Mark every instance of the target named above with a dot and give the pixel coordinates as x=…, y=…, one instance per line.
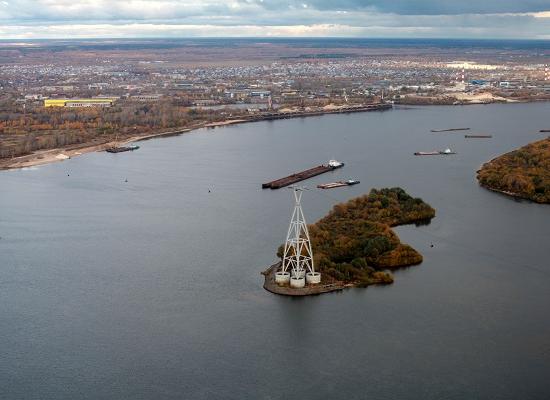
x=121, y=149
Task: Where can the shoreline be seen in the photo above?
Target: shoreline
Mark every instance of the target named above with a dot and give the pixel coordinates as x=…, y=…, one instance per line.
x=271, y=286
x=510, y=195
x=49, y=156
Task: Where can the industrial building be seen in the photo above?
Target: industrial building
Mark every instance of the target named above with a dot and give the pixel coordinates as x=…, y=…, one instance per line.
x=94, y=102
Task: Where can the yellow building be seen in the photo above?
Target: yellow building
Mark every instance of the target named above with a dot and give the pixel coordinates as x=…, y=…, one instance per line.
x=99, y=102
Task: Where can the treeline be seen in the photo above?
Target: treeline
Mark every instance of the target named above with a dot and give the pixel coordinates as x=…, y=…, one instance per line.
x=355, y=242
x=35, y=128
x=523, y=173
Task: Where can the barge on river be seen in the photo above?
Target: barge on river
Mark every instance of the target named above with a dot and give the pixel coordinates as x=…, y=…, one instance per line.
x=121, y=149
x=332, y=185
x=434, y=153
x=300, y=176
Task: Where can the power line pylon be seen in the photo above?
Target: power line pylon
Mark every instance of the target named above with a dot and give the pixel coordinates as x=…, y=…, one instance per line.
x=297, y=266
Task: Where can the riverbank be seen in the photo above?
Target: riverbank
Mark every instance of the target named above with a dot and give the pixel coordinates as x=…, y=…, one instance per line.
x=354, y=245
x=522, y=173
x=49, y=156
x=271, y=286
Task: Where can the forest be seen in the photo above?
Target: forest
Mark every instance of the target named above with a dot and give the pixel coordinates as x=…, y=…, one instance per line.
x=354, y=243
x=24, y=130
x=521, y=173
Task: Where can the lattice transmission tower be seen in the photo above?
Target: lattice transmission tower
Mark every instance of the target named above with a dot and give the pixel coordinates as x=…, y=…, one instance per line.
x=297, y=264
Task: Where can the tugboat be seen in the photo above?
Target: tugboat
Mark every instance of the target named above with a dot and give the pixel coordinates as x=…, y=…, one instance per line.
x=334, y=164
x=447, y=151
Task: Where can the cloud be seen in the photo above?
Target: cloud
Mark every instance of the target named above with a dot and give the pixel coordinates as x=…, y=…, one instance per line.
x=374, y=18
x=420, y=7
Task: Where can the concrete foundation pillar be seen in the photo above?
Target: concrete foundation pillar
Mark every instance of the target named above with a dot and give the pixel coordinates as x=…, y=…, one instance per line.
x=313, y=278
x=282, y=278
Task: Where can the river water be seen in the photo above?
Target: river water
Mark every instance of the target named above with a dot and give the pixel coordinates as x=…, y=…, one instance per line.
x=151, y=288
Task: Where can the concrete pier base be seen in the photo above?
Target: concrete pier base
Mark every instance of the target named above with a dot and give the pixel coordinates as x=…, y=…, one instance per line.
x=287, y=290
x=282, y=278
x=297, y=283
x=313, y=278
x=300, y=275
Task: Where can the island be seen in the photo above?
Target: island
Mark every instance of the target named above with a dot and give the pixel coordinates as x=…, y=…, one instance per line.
x=354, y=245
x=522, y=173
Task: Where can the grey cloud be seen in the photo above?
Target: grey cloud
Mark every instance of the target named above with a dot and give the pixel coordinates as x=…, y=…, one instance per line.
x=388, y=18
x=415, y=7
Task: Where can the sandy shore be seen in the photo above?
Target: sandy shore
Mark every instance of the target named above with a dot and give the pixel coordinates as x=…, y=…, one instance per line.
x=42, y=157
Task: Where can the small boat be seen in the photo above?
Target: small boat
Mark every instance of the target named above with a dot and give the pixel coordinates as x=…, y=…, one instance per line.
x=332, y=185
x=447, y=151
x=335, y=164
x=121, y=149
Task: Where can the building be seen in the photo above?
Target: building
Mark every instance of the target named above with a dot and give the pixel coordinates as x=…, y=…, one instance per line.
x=146, y=97
x=95, y=102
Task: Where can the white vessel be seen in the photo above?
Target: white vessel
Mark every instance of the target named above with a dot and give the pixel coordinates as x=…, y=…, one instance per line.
x=335, y=164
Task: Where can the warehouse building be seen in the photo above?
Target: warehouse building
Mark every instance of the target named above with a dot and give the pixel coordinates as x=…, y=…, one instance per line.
x=95, y=102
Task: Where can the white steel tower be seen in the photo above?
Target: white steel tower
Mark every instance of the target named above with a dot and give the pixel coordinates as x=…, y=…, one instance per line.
x=298, y=255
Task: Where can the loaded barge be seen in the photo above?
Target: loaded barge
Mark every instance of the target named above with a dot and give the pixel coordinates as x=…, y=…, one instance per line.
x=449, y=130
x=434, y=153
x=478, y=136
x=121, y=149
x=300, y=176
x=332, y=185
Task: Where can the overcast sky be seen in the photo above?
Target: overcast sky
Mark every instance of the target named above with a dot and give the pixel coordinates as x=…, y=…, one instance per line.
x=527, y=19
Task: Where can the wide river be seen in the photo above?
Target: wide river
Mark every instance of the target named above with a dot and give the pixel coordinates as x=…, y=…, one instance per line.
x=150, y=288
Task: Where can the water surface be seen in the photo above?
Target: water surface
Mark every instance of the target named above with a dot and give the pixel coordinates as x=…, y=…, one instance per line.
x=151, y=288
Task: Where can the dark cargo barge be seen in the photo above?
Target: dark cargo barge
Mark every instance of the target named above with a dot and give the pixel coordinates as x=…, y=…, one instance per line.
x=121, y=149
x=300, y=176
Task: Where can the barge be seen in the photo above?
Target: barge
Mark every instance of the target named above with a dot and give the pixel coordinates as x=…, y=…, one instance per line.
x=121, y=149
x=303, y=175
x=449, y=130
x=478, y=136
x=434, y=153
x=332, y=185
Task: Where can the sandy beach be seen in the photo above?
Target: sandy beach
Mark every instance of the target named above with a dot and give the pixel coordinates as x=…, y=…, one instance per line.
x=42, y=157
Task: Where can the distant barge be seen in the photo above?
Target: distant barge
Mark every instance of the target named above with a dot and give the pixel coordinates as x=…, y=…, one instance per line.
x=434, y=153
x=303, y=175
x=338, y=184
x=478, y=136
x=450, y=130
x=121, y=149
